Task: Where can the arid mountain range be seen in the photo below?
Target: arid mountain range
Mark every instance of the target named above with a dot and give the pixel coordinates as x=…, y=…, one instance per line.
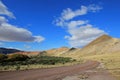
x=103, y=44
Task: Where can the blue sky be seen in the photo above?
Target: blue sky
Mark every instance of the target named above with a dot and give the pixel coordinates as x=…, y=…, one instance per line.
x=45, y=24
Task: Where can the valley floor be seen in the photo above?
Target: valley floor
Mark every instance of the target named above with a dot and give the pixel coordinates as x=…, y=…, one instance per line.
x=85, y=71
x=98, y=73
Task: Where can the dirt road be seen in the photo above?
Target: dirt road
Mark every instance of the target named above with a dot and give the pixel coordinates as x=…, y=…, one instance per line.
x=48, y=74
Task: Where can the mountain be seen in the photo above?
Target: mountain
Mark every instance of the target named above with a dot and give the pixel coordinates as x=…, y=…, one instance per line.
x=57, y=51
x=71, y=52
x=51, y=52
x=8, y=50
x=16, y=51
x=29, y=52
x=99, y=40
x=102, y=45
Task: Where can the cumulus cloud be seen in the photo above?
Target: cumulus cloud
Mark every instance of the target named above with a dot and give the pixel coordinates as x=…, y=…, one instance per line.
x=80, y=36
x=74, y=24
x=69, y=14
x=4, y=10
x=27, y=46
x=3, y=20
x=12, y=33
x=81, y=32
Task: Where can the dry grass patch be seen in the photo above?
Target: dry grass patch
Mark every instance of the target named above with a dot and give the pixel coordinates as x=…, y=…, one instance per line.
x=111, y=62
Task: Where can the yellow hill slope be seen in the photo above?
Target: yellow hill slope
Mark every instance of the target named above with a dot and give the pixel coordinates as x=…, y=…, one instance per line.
x=102, y=45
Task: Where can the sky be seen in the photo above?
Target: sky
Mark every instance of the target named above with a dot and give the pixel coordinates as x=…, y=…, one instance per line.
x=35, y=25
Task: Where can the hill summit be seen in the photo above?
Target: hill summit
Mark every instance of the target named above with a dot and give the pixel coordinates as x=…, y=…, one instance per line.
x=101, y=45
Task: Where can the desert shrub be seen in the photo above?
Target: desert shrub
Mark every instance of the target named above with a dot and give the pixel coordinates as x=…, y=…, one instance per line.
x=18, y=67
x=43, y=53
x=17, y=57
x=2, y=57
x=20, y=59
x=49, y=60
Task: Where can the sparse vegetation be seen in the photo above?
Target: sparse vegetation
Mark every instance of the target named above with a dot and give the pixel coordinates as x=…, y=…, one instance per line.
x=2, y=57
x=48, y=60
x=19, y=61
x=83, y=76
x=17, y=57
x=111, y=62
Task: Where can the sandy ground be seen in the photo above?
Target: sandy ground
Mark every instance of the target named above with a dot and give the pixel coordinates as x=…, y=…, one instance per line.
x=85, y=71
x=93, y=74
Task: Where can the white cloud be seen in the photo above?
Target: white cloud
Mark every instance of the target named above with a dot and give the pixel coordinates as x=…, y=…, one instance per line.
x=80, y=31
x=94, y=8
x=38, y=38
x=73, y=24
x=27, y=46
x=3, y=20
x=69, y=14
x=80, y=36
x=11, y=33
x=4, y=10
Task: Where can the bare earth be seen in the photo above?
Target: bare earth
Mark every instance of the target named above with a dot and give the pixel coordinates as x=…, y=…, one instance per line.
x=83, y=71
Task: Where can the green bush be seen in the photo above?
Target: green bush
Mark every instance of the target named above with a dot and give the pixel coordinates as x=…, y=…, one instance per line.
x=18, y=67
x=20, y=59
x=49, y=60
x=2, y=57
x=17, y=57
